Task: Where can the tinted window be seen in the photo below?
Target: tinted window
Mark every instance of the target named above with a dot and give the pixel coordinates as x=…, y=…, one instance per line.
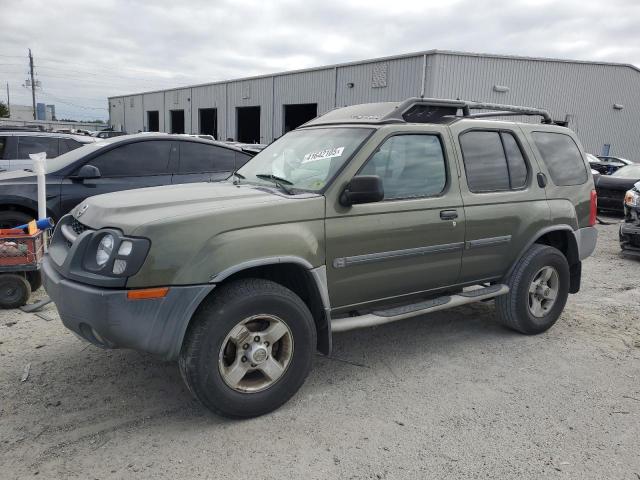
x=493, y=161
x=200, y=157
x=241, y=159
x=134, y=159
x=27, y=145
x=484, y=161
x=2, y=144
x=515, y=160
x=562, y=157
x=67, y=144
x=409, y=166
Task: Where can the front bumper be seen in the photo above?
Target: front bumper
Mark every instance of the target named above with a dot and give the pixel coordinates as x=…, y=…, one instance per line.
x=107, y=318
x=630, y=238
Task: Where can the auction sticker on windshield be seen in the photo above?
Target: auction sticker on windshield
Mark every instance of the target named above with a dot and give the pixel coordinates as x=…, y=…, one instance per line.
x=323, y=154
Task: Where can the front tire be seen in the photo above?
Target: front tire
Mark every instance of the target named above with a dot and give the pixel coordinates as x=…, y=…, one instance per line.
x=249, y=348
x=538, y=291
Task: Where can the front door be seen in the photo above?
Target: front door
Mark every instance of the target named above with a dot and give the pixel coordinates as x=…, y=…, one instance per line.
x=412, y=240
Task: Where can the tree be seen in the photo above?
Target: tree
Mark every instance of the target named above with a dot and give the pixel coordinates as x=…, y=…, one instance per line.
x=4, y=111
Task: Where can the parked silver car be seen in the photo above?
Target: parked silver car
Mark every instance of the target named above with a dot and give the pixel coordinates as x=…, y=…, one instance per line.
x=15, y=146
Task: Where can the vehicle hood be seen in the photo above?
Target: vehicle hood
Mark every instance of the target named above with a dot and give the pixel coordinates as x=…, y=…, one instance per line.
x=133, y=211
x=615, y=183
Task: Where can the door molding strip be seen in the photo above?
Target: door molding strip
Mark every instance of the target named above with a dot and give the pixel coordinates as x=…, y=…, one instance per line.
x=343, y=262
x=488, y=242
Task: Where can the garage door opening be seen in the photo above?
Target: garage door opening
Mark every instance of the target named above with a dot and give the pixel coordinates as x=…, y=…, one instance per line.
x=296, y=115
x=177, y=121
x=153, y=121
x=248, y=124
x=209, y=122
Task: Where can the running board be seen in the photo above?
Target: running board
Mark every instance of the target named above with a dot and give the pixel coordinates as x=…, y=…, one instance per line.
x=380, y=317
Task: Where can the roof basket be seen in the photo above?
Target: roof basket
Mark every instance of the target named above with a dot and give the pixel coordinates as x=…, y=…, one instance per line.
x=425, y=110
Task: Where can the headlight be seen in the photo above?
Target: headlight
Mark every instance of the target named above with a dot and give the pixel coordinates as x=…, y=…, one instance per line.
x=632, y=198
x=105, y=249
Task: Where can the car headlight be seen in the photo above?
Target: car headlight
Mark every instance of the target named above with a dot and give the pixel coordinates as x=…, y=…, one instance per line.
x=632, y=198
x=109, y=253
x=105, y=249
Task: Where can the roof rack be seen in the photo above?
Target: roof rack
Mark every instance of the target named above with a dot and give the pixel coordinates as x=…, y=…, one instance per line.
x=427, y=109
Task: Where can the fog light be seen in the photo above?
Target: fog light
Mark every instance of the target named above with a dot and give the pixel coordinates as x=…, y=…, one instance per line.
x=119, y=266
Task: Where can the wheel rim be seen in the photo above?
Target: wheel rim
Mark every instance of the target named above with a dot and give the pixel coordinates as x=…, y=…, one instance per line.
x=543, y=291
x=256, y=353
x=10, y=293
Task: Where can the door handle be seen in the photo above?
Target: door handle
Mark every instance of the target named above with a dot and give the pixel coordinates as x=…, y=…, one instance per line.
x=448, y=215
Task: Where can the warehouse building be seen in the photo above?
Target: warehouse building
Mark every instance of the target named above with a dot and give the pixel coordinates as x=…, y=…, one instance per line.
x=599, y=100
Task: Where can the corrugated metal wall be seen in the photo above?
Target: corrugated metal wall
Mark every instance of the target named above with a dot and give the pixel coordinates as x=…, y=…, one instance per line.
x=585, y=92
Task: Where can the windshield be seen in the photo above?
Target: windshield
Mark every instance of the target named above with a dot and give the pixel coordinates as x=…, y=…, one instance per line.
x=55, y=164
x=630, y=171
x=305, y=159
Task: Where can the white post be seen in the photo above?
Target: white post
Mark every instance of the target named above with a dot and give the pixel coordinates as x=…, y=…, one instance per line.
x=40, y=169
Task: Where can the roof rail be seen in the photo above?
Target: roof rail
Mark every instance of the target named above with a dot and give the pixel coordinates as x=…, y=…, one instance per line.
x=421, y=109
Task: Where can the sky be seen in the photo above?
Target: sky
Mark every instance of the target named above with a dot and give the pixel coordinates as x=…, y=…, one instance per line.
x=85, y=52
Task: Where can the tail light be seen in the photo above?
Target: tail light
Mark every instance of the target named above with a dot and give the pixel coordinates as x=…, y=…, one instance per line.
x=593, y=208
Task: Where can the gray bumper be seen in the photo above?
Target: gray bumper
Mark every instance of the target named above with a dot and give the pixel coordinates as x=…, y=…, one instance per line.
x=586, y=238
x=105, y=317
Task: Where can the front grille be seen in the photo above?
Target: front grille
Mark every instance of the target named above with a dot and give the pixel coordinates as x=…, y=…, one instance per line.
x=78, y=227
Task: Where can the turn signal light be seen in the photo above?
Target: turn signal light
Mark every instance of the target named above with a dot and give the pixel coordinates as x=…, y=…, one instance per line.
x=147, y=293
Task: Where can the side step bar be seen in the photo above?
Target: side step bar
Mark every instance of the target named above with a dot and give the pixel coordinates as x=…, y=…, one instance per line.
x=380, y=317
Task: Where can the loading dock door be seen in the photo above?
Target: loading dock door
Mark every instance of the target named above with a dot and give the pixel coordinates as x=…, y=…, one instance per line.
x=248, y=124
x=153, y=121
x=177, y=121
x=296, y=115
x=209, y=122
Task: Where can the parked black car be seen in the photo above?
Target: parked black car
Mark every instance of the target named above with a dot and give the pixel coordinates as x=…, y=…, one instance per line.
x=121, y=163
x=630, y=228
x=612, y=188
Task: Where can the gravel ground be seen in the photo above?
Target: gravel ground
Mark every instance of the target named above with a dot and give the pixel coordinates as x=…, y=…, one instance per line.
x=450, y=395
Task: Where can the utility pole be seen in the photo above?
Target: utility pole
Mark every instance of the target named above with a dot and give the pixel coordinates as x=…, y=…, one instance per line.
x=33, y=84
x=8, y=101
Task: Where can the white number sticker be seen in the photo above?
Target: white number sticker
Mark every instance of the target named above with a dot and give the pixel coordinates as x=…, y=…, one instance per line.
x=323, y=154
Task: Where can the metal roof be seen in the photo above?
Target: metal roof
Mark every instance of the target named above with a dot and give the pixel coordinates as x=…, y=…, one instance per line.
x=387, y=58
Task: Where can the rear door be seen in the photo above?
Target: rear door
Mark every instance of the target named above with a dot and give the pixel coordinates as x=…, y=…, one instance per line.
x=503, y=204
x=144, y=163
x=203, y=162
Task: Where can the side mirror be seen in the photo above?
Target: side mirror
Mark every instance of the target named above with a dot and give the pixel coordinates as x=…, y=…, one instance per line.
x=362, y=189
x=87, y=172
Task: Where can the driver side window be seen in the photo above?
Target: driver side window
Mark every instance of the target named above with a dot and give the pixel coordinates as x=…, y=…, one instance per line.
x=410, y=166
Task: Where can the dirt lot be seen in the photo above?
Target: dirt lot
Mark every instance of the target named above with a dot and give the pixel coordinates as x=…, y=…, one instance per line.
x=451, y=395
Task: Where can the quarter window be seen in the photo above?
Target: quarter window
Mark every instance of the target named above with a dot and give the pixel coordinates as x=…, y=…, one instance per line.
x=562, y=158
x=409, y=166
x=134, y=159
x=493, y=161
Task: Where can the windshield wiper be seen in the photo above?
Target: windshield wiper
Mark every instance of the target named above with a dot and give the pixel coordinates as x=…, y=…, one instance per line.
x=279, y=181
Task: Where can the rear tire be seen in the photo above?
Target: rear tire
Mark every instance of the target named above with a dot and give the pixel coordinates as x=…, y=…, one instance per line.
x=14, y=290
x=13, y=218
x=230, y=333
x=538, y=291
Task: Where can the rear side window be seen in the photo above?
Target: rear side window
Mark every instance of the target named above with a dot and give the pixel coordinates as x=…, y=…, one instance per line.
x=3, y=142
x=409, y=166
x=28, y=145
x=493, y=161
x=200, y=157
x=134, y=160
x=562, y=158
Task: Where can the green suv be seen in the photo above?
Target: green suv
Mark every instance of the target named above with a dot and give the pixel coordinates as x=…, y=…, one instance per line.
x=366, y=215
